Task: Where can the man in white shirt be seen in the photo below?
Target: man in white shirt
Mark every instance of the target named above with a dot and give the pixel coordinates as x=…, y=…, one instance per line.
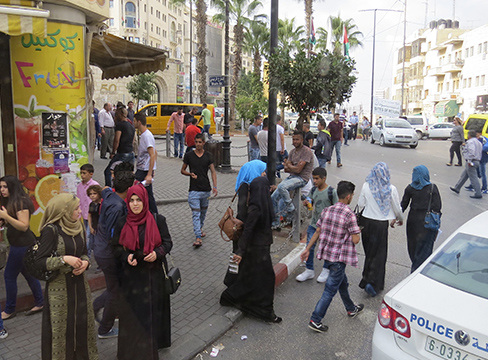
x=146, y=160
x=107, y=125
x=263, y=141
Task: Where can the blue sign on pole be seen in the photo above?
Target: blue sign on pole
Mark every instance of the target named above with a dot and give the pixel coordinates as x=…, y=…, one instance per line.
x=216, y=80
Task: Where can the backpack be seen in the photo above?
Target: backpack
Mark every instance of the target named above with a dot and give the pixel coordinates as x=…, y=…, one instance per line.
x=30, y=259
x=330, y=193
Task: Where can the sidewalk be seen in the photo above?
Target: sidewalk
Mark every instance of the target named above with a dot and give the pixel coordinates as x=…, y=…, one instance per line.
x=197, y=317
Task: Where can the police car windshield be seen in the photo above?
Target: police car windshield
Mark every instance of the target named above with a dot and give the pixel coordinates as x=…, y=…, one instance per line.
x=462, y=265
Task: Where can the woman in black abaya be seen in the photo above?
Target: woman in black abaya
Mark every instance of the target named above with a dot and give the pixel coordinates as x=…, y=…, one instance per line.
x=253, y=290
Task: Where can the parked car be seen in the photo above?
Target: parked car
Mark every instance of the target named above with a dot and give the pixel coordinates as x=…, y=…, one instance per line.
x=391, y=131
x=420, y=123
x=314, y=121
x=477, y=122
x=440, y=131
x=441, y=310
x=291, y=120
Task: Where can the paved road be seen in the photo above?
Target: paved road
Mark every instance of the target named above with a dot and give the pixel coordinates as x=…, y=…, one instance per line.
x=349, y=338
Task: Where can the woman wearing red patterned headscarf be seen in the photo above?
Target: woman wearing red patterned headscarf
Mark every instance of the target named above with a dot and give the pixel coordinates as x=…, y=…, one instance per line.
x=143, y=240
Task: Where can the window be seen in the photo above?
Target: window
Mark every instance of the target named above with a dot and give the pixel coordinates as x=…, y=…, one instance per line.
x=471, y=51
x=469, y=82
x=447, y=86
x=482, y=80
x=145, y=25
x=173, y=32
x=111, y=4
x=165, y=34
x=151, y=110
x=145, y=10
x=131, y=38
x=111, y=22
x=464, y=83
x=130, y=15
x=152, y=10
x=466, y=53
x=477, y=81
x=152, y=27
x=164, y=17
x=164, y=2
x=137, y=40
x=480, y=46
x=484, y=47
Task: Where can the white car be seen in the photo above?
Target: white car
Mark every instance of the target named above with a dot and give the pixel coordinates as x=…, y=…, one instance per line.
x=420, y=123
x=314, y=121
x=441, y=310
x=394, y=131
x=440, y=131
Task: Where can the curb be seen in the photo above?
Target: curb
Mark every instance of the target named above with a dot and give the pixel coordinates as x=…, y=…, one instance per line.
x=288, y=264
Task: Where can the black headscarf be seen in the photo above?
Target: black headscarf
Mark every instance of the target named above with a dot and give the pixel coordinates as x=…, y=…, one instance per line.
x=260, y=200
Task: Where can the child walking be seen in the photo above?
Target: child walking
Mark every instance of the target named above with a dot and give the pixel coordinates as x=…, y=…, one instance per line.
x=86, y=174
x=94, y=192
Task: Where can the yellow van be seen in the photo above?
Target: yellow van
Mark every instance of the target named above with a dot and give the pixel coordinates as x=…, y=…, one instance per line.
x=158, y=115
x=478, y=123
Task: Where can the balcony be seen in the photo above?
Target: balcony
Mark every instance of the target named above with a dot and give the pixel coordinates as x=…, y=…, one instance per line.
x=436, y=71
x=416, y=82
x=454, y=66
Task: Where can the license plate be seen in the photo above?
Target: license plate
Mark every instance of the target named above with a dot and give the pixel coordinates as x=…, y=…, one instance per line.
x=446, y=351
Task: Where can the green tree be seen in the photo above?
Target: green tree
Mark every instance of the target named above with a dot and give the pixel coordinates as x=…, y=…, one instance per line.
x=242, y=14
x=256, y=42
x=353, y=34
x=289, y=36
x=201, y=55
x=142, y=87
x=321, y=39
x=250, y=99
x=323, y=80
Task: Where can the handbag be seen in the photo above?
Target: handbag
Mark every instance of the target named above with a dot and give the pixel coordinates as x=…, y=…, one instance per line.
x=229, y=225
x=30, y=259
x=432, y=218
x=172, y=278
x=359, y=217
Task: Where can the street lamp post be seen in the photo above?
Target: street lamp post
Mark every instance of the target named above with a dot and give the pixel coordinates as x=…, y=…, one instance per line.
x=372, y=66
x=226, y=142
x=191, y=51
x=272, y=106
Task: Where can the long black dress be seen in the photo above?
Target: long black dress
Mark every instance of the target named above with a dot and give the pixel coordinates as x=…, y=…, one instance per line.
x=144, y=317
x=68, y=329
x=253, y=289
x=420, y=241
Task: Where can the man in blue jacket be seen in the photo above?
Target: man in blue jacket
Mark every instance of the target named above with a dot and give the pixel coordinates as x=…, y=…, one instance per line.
x=323, y=146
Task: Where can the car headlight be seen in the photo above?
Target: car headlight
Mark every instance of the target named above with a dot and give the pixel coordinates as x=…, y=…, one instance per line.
x=389, y=132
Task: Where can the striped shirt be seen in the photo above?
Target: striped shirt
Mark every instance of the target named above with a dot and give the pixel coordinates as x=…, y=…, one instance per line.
x=337, y=224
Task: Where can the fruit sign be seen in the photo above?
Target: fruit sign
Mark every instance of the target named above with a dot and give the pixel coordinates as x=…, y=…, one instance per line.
x=48, y=82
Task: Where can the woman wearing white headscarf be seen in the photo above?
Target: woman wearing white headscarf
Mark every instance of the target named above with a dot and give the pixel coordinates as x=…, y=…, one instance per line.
x=381, y=204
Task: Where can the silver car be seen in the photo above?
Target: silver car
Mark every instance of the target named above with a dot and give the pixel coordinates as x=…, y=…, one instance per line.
x=394, y=131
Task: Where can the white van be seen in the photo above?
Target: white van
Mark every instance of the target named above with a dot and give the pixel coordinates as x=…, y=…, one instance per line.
x=419, y=123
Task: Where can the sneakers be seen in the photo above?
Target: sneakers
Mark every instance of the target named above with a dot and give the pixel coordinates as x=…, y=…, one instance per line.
x=370, y=290
x=306, y=275
x=319, y=327
x=484, y=191
x=3, y=333
x=323, y=275
x=455, y=190
x=468, y=188
x=358, y=308
x=111, y=334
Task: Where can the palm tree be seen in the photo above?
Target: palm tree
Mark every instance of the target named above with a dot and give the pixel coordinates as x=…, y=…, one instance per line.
x=201, y=55
x=256, y=42
x=321, y=39
x=289, y=36
x=353, y=34
x=240, y=12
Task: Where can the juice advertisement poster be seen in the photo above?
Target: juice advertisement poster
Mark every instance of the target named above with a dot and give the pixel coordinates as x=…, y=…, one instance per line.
x=49, y=79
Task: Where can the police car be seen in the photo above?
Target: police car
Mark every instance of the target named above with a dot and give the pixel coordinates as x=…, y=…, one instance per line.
x=441, y=310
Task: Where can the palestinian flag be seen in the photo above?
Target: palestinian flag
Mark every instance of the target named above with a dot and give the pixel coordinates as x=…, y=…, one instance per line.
x=346, y=43
x=312, y=40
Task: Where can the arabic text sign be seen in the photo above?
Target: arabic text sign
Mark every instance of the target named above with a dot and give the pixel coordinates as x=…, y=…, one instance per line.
x=216, y=80
x=390, y=108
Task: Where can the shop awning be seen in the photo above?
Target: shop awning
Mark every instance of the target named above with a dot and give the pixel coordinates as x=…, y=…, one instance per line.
x=446, y=108
x=118, y=57
x=16, y=19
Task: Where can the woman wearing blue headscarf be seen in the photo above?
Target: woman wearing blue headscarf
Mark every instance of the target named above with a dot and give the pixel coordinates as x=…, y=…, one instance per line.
x=381, y=204
x=420, y=241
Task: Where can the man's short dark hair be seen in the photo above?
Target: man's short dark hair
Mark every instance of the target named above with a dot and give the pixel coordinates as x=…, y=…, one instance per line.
x=204, y=105
x=336, y=114
x=265, y=122
x=141, y=117
x=130, y=102
x=124, y=166
x=120, y=104
x=323, y=123
x=257, y=117
x=298, y=133
x=88, y=167
x=278, y=118
x=345, y=188
x=344, y=111
x=123, y=180
x=307, y=125
x=200, y=136
x=194, y=121
x=319, y=171
x=472, y=133
x=180, y=107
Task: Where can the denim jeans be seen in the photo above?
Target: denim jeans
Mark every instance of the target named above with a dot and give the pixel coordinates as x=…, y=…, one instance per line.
x=89, y=238
x=125, y=157
x=337, y=144
x=346, y=135
x=15, y=266
x=140, y=176
x=1, y=321
x=310, y=232
x=322, y=163
x=179, y=140
x=482, y=170
x=109, y=299
x=337, y=280
x=206, y=129
x=254, y=153
x=279, y=162
x=282, y=192
x=198, y=201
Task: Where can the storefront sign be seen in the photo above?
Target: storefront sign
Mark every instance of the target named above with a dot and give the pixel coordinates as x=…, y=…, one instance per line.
x=389, y=108
x=54, y=130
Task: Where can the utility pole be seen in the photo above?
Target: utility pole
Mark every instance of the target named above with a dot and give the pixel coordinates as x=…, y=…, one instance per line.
x=191, y=51
x=374, y=45
x=272, y=104
x=404, y=55
x=226, y=142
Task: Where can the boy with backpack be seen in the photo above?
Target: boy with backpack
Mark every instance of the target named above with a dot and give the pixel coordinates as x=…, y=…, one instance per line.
x=323, y=148
x=322, y=196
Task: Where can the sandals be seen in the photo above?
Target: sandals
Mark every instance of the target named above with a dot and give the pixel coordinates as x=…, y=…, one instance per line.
x=449, y=164
x=197, y=243
x=203, y=234
x=32, y=312
x=6, y=316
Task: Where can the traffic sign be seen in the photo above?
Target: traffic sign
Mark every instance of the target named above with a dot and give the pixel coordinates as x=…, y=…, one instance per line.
x=216, y=80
